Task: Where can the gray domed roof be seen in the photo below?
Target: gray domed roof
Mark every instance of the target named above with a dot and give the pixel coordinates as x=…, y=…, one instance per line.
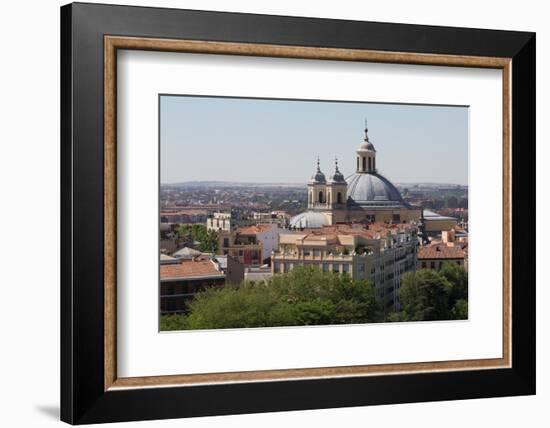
x=309, y=219
x=337, y=177
x=366, y=145
x=318, y=177
x=371, y=189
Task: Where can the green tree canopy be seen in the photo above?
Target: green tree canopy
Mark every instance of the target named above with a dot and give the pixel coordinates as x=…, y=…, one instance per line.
x=305, y=296
x=207, y=239
x=433, y=295
x=458, y=278
x=424, y=295
x=460, y=310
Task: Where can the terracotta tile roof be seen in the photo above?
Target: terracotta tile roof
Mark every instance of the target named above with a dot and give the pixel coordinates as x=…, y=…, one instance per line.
x=374, y=230
x=440, y=252
x=189, y=268
x=333, y=233
x=254, y=229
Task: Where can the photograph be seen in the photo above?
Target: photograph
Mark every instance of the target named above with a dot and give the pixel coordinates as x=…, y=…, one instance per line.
x=283, y=212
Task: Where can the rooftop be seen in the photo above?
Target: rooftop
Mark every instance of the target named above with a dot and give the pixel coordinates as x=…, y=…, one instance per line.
x=254, y=229
x=335, y=233
x=186, y=253
x=440, y=251
x=432, y=215
x=197, y=268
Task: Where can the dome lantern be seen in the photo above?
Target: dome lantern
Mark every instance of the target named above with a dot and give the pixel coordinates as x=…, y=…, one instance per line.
x=366, y=154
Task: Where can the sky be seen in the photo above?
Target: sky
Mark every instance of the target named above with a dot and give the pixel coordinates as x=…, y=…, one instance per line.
x=278, y=141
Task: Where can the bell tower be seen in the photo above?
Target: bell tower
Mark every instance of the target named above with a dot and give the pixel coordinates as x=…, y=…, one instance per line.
x=337, y=188
x=317, y=190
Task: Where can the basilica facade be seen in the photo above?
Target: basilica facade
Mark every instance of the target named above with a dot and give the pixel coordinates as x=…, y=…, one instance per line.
x=364, y=196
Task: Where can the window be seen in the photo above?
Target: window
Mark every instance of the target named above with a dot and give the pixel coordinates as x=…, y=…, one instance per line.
x=317, y=253
x=423, y=265
x=339, y=197
x=345, y=268
x=277, y=267
x=325, y=267
x=396, y=218
x=306, y=253
x=361, y=268
x=358, y=163
x=364, y=164
x=369, y=164
x=321, y=197
x=335, y=268
x=432, y=265
x=226, y=242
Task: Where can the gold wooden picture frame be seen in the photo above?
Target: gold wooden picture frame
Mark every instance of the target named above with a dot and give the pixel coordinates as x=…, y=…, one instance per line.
x=114, y=43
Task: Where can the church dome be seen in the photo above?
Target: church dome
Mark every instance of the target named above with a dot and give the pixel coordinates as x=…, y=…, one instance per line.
x=309, y=219
x=337, y=177
x=318, y=177
x=372, y=189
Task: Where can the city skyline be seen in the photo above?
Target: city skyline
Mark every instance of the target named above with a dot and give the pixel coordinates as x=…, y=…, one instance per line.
x=278, y=141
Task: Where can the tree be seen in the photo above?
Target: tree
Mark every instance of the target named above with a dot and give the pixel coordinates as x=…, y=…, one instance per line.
x=305, y=296
x=433, y=295
x=460, y=310
x=207, y=239
x=424, y=296
x=458, y=278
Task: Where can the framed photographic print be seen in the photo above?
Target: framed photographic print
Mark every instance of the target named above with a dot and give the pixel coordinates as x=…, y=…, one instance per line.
x=266, y=213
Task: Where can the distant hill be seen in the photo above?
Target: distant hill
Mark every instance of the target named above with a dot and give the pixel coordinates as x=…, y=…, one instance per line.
x=222, y=184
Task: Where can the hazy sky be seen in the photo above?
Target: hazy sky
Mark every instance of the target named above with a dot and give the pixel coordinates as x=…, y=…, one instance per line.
x=253, y=140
